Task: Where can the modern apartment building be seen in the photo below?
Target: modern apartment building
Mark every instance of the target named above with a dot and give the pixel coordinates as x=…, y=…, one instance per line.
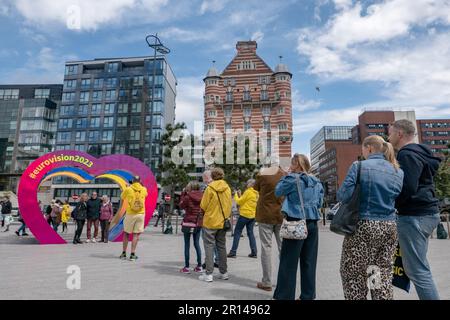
x=319, y=142
x=106, y=109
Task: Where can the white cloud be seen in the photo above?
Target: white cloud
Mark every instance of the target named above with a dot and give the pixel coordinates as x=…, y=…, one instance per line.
x=93, y=14
x=258, y=36
x=301, y=104
x=212, y=5
x=4, y=9
x=46, y=66
x=184, y=35
x=190, y=103
x=388, y=42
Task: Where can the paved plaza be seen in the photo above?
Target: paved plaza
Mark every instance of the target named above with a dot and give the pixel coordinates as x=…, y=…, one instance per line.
x=32, y=271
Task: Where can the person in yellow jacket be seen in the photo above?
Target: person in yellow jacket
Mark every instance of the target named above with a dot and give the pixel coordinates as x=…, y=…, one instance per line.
x=216, y=204
x=134, y=222
x=247, y=210
x=65, y=215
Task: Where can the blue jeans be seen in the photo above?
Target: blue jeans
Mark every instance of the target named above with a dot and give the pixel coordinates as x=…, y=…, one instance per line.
x=291, y=252
x=22, y=228
x=413, y=234
x=187, y=247
x=249, y=224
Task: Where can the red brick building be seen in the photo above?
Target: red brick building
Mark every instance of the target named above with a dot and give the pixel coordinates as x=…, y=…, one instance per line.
x=249, y=95
x=334, y=164
x=435, y=134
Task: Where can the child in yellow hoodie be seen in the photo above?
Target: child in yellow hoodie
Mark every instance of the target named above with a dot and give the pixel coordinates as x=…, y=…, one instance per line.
x=247, y=210
x=65, y=215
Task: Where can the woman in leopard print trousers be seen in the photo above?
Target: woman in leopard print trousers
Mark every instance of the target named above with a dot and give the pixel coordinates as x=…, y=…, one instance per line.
x=367, y=255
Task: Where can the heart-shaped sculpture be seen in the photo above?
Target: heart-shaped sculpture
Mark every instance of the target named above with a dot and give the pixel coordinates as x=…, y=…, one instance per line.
x=83, y=168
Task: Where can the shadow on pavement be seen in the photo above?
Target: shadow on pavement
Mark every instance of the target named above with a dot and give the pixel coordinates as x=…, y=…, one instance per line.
x=173, y=268
x=12, y=238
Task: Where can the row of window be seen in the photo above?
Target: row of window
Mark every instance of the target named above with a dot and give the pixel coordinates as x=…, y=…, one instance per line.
x=246, y=96
x=435, y=125
x=377, y=126
x=105, y=149
x=112, y=67
x=438, y=142
x=67, y=193
x=436, y=133
x=246, y=111
x=99, y=95
x=99, y=83
x=108, y=108
x=105, y=122
x=247, y=126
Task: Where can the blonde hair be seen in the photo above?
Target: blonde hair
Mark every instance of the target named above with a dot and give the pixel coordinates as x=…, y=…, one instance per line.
x=380, y=145
x=302, y=161
x=193, y=185
x=217, y=173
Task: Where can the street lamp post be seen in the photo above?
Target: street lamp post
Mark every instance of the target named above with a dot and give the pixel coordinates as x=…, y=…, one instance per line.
x=158, y=47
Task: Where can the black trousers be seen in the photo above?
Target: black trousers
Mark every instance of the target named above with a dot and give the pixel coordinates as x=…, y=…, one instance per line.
x=104, y=224
x=293, y=253
x=80, y=225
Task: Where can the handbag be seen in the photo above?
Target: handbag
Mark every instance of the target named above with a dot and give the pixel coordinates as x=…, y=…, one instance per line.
x=226, y=222
x=295, y=230
x=400, y=279
x=346, y=218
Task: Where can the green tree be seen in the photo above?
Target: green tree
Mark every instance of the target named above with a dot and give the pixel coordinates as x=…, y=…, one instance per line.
x=174, y=176
x=237, y=174
x=442, y=178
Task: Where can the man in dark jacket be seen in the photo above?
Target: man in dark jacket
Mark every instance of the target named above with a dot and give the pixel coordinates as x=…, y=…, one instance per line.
x=269, y=218
x=94, y=205
x=6, y=213
x=417, y=205
x=79, y=214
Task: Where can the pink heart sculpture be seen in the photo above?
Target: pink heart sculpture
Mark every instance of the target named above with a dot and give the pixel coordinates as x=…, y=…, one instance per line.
x=84, y=168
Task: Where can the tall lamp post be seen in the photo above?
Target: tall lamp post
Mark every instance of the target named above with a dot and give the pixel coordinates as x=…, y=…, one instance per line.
x=158, y=47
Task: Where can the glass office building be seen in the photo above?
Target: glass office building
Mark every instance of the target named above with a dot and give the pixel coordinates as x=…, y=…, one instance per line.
x=106, y=109
x=327, y=133
x=27, y=127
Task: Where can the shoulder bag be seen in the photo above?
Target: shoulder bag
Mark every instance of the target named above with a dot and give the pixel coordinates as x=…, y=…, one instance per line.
x=295, y=230
x=346, y=218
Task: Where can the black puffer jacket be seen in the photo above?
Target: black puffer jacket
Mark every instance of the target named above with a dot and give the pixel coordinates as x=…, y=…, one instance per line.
x=93, y=208
x=418, y=196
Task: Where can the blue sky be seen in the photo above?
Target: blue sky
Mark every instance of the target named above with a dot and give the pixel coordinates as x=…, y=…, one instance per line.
x=362, y=54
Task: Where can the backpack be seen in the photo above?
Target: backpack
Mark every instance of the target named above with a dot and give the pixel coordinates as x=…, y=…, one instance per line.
x=137, y=204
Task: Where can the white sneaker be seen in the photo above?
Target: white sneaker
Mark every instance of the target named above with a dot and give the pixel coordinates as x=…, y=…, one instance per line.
x=223, y=276
x=94, y=240
x=206, y=277
x=88, y=240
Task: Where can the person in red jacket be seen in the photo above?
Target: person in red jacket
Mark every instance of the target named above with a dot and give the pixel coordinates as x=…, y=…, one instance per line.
x=192, y=223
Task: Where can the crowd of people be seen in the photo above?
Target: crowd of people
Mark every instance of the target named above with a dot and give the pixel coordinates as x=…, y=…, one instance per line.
x=93, y=210
x=397, y=206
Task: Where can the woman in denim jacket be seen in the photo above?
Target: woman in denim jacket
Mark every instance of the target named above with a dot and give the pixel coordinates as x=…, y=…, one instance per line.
x=305, y=250
x=368, y=254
